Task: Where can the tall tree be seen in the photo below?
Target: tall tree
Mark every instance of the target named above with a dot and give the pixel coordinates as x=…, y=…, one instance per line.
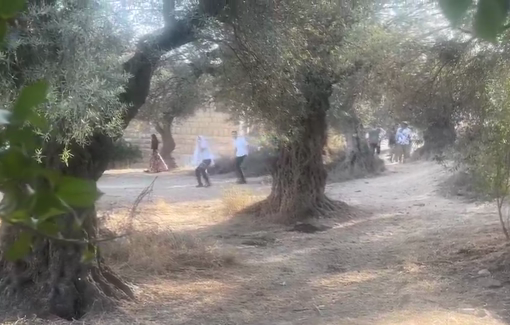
x=284, y=59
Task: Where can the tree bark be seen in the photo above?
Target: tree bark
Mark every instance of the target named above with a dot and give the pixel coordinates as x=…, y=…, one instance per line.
x=359, y=154
x=168, y=143
x=299, y=175
x=437, y=137
x=53, y=277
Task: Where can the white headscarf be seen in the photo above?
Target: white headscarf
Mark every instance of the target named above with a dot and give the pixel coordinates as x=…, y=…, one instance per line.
x=197, y=155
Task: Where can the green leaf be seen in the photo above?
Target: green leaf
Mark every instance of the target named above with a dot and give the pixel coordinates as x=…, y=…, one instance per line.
x=14, y=165
x=46, y=205
x=79, y=193
x=49, y=228
x=89, y=254
x=38, y=121
x=5, y=117
x=19, y=216
x=51, y=175
x=30, y=97
x=20, y=248
x=52, y=212
x=21, y=137
x=489, y=19
x=454, y=10
x=9, y=8
x=3, y=29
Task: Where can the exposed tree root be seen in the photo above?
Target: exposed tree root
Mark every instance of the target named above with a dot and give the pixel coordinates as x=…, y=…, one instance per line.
x=325, y=208
x=54, y=280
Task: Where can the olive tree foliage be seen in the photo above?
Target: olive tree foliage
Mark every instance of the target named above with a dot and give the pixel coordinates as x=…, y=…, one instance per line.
x=430, y=77
x=483, y=143
x=281, y=60
x=77, y=50
x=34, y=211
x=482, y=148
x=438, y=91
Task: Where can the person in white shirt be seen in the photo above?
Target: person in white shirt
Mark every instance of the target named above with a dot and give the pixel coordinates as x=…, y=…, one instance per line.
x=403, y=139
x=202, y=158
x=241, y=151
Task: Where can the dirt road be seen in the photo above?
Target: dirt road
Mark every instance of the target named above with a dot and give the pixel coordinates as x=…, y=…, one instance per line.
x=418, y=258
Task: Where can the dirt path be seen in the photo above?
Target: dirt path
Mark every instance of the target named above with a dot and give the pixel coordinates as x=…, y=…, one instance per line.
x=414, y=260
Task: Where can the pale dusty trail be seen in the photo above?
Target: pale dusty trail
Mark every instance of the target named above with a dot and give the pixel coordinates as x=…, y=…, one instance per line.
x=403, y=264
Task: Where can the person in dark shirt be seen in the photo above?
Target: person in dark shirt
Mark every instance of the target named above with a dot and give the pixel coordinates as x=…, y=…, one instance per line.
x=156, y=163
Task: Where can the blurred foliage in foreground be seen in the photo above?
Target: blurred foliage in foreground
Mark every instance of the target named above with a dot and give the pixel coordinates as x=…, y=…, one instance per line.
x=33, y=196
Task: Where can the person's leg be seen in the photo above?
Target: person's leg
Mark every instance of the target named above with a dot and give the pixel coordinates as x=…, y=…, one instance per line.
x=398, y=153
x=372, y=148
x=239, y=161
x=198, y=172
x=378, y=149
x=405, y=149
x=237, y=167
x=205, y=164
x=152, y=163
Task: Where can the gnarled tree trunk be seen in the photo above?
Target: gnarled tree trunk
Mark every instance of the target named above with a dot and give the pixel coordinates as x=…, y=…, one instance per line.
x=168, y=143
x=299, y=175
x=360, y=155
x=437, y=137
x=53, y=278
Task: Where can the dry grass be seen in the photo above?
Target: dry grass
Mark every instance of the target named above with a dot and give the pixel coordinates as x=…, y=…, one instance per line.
x=152, y=247
x=237, y=199
x=158, y=251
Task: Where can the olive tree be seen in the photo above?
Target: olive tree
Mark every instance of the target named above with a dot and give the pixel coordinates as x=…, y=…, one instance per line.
x=282, y=60
x=94, y=95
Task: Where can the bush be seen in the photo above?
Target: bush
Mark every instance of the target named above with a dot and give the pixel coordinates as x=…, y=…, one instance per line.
x=125, y=154
x=463, y=183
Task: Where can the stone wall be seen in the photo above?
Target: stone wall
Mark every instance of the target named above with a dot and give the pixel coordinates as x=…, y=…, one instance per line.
x=214, y=125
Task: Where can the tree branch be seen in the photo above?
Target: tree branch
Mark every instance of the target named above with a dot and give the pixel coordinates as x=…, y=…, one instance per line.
x=150, y=49
x=158, y=128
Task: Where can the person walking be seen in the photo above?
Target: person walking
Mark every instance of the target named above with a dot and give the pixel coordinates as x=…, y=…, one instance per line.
x=403, y=139
x=392, y=142
x=156, y=163
x=374, y=139
x=202, y=158
x=241, y=151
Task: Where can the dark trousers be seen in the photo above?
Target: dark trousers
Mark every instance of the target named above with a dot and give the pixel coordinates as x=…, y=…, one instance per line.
x=376, y=148
x=239, y=171
x=201, y=171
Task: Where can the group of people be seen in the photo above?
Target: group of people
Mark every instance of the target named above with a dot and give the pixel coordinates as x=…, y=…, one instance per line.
x=399, y=141
x=202, y=158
